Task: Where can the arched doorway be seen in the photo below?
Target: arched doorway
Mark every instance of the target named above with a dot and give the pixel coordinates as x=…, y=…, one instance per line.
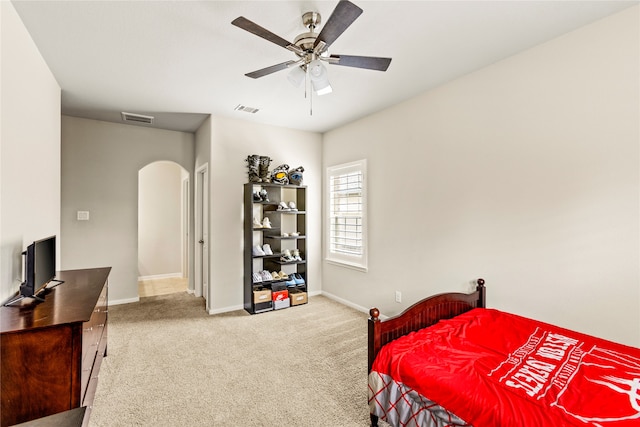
x=163, y=229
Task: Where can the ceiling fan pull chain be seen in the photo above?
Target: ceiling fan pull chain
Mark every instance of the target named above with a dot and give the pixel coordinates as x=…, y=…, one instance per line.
x=310, y=98
x=307, y=82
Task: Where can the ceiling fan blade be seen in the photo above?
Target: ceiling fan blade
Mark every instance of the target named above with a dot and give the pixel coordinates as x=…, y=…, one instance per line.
x=343, y=15
x=252, y=27
x=368, y=62
x=272, y=69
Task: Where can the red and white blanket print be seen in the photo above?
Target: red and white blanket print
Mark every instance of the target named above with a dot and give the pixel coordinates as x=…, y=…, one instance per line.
x=492, y=368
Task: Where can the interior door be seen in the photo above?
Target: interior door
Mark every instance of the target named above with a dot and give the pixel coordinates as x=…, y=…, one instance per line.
x=202, y=233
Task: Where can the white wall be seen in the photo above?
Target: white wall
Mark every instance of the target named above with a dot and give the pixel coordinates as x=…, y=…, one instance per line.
x=524, y=173
x=100, y=164
x=203, y=143
x=160, y=220
x=29, y=148
x=231, y=142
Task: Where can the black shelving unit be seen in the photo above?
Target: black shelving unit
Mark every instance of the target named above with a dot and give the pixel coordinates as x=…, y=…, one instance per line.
x=282, y=221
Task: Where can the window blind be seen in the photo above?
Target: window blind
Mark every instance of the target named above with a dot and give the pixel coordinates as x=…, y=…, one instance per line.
x=345, y=213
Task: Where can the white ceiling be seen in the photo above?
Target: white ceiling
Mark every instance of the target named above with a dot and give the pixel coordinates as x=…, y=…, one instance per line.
x=182, y=60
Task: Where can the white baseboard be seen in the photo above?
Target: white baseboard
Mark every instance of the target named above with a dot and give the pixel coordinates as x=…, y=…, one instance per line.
x=345, y=302
x=124, y=301
x=225, y=309
x=350, y=304
x=311, y=294
x=241, y=307
x=160, y=276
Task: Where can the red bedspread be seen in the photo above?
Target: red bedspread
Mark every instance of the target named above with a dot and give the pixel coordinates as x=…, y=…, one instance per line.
x=492, y=368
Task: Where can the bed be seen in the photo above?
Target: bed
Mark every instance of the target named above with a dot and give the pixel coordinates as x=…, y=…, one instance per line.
x=450, y=361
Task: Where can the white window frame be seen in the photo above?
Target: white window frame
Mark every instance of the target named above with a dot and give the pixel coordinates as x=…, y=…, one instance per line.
x=358, y=262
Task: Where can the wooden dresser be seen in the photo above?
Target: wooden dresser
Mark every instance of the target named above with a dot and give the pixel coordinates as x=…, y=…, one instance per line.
x=51, y=351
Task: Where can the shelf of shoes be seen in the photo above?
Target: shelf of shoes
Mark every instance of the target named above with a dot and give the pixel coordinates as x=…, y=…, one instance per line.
x=275, y=217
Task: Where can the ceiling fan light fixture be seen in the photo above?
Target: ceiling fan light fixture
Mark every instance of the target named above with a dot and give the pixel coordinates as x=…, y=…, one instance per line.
x=319, y=77
x=323, y=90
x=296, y=76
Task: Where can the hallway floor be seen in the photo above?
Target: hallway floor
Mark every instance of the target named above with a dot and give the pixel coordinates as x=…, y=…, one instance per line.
x=152, y=287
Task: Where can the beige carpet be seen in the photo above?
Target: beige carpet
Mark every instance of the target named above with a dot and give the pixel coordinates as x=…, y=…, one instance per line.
x=171, y=364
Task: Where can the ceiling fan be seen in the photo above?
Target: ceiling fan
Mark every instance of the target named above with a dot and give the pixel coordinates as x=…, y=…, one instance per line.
x=312, y=48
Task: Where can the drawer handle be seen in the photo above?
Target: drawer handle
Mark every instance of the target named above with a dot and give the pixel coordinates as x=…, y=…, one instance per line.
x=94, y=378
x=101, y=325
x=89, y=329
x=97, y=310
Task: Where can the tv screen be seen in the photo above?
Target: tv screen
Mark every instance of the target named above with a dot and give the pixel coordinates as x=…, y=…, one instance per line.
x=44, y=262
x=39, y=268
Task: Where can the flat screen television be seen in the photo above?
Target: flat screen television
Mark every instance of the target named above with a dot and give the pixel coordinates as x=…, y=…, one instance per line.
x=39, y=268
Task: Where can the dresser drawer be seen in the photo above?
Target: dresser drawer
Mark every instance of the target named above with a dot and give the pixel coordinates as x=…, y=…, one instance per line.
x=92, y=330
x=94, y=342
x=89, y=391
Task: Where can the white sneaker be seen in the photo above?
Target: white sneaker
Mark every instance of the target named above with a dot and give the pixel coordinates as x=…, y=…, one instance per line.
x=282, y=206
x=256, y=223
x=256, y=278
x=257, y=251
x=266, y=223
x=296, y=255
x=286, y=256
x=267, y=249
x=292, y=206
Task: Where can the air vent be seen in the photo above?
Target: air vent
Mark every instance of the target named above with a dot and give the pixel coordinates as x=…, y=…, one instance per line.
x=137, y=118
x=246, y=109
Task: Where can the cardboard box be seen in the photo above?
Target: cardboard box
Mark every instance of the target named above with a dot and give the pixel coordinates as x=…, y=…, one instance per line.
x=277, y=305
x=297, y=297
x=263, y=295
x=280, y=295
x=263, y=306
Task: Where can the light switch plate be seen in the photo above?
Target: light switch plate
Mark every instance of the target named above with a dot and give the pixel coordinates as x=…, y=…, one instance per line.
x=83, y=215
